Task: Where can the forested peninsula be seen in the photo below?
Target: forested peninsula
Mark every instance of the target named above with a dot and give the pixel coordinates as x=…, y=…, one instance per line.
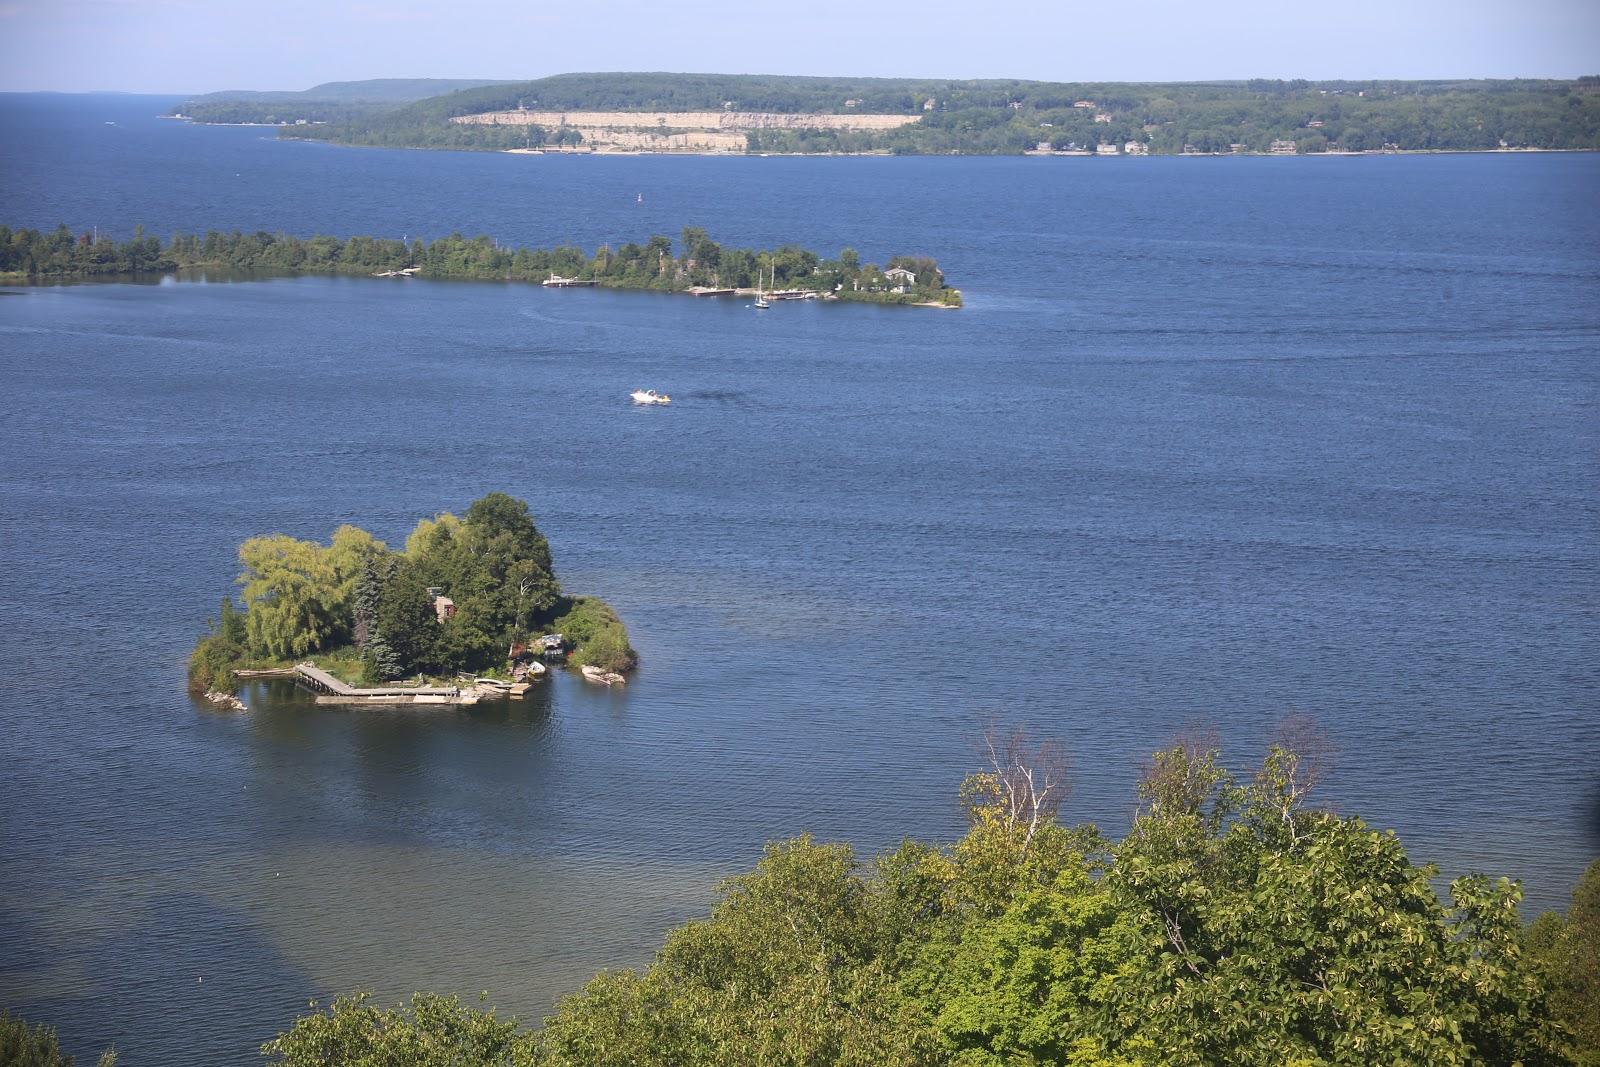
x=463, y=595
x=700, y=265
x=717, y=113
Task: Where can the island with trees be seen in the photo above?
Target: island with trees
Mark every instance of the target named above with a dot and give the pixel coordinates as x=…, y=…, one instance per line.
x=763, y=114
x=465, y=594
x=701, y=265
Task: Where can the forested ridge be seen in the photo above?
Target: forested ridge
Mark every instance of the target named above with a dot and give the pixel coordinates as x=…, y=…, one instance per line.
x=328, y=102
x=1011, y=116
x=40, y=254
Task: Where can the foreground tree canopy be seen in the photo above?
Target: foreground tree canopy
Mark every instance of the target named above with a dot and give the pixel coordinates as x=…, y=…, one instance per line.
x=357, y=596
x=1233, y=924
x=22, y=1045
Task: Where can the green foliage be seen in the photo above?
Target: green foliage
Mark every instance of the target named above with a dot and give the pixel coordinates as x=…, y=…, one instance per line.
x=22, y=1045
x=219, y=652
x=512, y=561
x=408, y=622
x=292, y=594
x=433, y=1031
x=1300, y=935
x=1232, y=925
x=779, y=974
x=598, y=637
x=1566, y=949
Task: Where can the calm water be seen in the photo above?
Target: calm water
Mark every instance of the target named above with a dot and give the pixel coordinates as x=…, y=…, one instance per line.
x=1214, y=441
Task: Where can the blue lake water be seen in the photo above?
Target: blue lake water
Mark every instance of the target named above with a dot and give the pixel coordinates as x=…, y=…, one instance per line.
x=1215, y=441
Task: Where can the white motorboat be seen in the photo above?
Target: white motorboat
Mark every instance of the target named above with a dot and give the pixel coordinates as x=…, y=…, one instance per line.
x=600, y=676
x=650, y=396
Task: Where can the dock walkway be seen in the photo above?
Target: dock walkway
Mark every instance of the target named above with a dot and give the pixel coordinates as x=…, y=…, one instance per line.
x=333, y=691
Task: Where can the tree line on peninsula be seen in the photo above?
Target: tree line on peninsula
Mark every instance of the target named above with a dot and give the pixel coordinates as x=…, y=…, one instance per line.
x=1234, y=924
x=1009, y=116
x=372, y=615
x=27, y=254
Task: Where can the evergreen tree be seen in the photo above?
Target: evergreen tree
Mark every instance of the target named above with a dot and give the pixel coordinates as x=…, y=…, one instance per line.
x=406, y=621
x=375, y=572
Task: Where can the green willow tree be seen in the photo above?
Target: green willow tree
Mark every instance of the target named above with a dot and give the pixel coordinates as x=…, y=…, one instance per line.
x=292, y=596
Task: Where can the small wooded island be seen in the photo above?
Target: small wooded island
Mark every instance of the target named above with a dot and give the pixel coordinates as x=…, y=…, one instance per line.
x=701, y=267
x=474, y=595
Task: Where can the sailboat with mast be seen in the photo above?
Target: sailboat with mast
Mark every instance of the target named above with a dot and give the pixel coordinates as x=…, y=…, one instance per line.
x=761, y=295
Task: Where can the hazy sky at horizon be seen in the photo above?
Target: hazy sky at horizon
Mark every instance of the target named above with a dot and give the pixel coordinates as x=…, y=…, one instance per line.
x=183, y=46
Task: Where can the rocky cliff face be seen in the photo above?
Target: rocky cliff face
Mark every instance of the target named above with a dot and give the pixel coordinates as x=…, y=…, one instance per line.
x=671, y=121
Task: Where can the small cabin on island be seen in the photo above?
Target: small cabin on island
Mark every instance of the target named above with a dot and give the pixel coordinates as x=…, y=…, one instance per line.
x=443, y=607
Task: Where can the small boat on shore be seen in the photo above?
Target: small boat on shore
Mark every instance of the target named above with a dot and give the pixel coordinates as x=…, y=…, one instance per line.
x=650, y=396
x=601, y=677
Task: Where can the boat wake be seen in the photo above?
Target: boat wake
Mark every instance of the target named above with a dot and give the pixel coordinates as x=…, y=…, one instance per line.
x=728, y=397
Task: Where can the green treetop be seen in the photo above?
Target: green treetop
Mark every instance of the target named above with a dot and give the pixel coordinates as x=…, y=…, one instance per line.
x=1233, y=924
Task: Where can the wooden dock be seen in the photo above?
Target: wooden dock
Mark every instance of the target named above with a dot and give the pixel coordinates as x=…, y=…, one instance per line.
x=331, y=690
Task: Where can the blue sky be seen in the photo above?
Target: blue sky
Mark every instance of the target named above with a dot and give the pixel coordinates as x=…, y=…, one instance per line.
x=200, y=45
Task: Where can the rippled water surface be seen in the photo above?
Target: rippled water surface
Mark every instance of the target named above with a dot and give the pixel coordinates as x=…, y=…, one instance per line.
x=1214, y=441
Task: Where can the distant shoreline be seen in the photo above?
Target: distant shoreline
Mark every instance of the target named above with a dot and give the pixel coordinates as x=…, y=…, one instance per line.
x=885, y=154
x=882, y=153
x=1022, y=155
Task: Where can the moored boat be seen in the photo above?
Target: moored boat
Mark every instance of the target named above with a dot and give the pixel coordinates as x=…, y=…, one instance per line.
x=601, y=677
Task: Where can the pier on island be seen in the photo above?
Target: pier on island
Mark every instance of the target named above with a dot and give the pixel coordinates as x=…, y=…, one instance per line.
x=331, y=690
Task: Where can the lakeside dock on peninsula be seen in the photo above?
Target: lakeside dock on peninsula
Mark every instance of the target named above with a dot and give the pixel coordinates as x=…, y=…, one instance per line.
x=331, y=690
